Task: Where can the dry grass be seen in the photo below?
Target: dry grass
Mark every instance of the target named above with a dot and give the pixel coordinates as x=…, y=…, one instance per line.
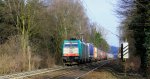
x=12, y=59
x=14, y=63
x=133, y=63
x=50, y=61
x=9, y=56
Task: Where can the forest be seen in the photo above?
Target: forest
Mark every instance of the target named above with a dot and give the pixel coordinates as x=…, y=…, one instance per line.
x=135, y=28
x=32, y=32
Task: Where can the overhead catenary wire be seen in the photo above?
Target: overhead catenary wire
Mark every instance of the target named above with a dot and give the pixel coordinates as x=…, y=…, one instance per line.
x=141, y=4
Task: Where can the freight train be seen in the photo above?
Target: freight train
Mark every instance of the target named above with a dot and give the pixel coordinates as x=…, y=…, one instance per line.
x=77, y=52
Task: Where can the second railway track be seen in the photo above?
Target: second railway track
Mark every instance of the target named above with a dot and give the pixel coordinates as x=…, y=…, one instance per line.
x=31, y=73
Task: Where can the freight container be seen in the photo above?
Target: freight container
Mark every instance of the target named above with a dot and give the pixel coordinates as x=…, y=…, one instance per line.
x=95, y=53
x=90, y=51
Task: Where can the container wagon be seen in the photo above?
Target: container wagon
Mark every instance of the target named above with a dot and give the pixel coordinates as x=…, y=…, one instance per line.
x=110, y=56
x=99, y=54
x=84, y=56
x=103, y=55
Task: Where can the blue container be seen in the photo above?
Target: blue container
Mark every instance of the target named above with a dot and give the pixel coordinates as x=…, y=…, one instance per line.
x=91, y=50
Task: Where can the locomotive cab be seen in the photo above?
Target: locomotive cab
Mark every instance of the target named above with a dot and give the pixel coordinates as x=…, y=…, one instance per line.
x=71, y=51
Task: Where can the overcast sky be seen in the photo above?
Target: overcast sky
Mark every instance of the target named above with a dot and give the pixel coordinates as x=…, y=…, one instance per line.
x=103, y=13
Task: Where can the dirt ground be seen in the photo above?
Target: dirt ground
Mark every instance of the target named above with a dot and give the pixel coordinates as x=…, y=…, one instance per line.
x=106, y=74
x=100, y=75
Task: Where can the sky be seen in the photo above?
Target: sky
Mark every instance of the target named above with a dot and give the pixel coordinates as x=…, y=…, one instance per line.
x=103, y=13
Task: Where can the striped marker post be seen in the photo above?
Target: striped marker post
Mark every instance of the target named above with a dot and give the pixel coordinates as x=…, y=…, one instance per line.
x=125, y=54
x=125, y=50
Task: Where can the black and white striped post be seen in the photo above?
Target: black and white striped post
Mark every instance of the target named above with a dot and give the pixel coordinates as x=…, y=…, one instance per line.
x=124, y=53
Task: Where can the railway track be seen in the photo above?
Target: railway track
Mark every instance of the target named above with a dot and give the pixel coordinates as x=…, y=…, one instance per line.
x=73, y=73
x=63, y=75
x=93, y=69
x=32, y=73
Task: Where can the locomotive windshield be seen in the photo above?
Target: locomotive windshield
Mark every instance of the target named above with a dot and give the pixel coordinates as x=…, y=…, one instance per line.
x=71, y=45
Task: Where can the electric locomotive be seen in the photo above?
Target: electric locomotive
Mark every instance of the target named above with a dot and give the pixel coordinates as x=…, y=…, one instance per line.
x=75, y=52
